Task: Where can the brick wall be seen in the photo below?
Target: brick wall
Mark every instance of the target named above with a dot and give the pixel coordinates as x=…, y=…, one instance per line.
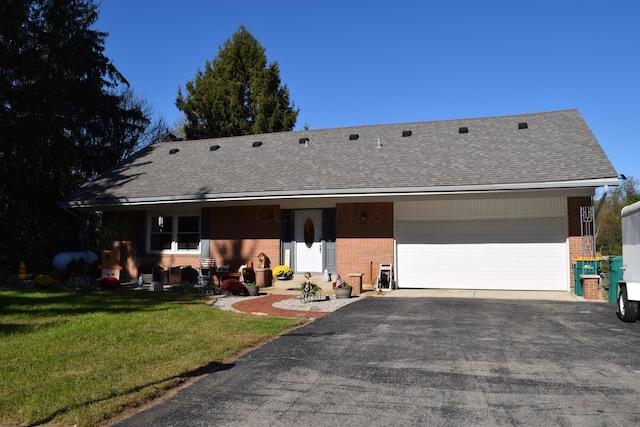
x=361, y=246
x=575, y=249
x=236, y=233
x=123, y=231
x=591, y=289
x=575, y=240
x=241, y=233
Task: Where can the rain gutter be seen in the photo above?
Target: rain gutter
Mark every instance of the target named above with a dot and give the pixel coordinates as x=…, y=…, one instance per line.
x=336, y=193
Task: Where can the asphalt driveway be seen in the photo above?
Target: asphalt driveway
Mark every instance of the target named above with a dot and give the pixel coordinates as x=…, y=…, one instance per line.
x=427, y=361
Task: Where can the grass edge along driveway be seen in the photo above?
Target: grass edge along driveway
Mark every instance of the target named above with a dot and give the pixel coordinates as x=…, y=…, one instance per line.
x=83, y=357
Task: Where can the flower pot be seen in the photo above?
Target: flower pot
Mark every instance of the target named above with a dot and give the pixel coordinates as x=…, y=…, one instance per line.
x=284, y=277
x=342, y=293
x=253, y=291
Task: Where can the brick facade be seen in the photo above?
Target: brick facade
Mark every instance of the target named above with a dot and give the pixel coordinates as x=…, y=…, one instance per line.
x=237, y=234
x=575, y=239
x=240, y=233
x=362, y=245
x=591, y=288
x=123, y=231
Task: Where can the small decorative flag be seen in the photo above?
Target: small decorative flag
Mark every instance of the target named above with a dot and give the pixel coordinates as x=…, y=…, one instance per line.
x=338, y=282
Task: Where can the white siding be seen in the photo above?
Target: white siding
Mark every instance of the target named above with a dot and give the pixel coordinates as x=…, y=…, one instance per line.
x=480, y=208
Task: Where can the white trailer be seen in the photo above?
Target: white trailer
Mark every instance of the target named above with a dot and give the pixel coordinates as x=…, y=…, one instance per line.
x=629, y=286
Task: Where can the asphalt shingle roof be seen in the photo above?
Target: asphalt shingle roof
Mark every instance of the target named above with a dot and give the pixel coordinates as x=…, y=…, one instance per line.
x=556, y=147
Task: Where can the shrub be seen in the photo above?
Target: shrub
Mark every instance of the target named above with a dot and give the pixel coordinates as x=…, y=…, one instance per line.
x=232, y=286
x=184, y=288
x=79, y=282
x=14, y=283
x=76, y=267
x=109, y=282
x=43, y=281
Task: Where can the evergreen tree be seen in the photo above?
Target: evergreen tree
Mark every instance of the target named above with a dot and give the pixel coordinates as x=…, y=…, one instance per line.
x=237, y=93
x=64, y=118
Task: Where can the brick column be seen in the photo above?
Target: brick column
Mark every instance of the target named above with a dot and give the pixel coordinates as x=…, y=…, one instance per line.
x=356, y=283
x=590, y=286
x=263, y=277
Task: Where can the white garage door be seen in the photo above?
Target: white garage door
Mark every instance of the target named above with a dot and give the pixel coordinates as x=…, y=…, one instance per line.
x=515, y=254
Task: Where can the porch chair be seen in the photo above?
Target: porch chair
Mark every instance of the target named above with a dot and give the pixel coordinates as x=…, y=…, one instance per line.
x=207, y=269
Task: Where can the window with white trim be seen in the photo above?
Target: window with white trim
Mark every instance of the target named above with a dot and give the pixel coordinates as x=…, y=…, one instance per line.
x=174, y=233
x=188, y=233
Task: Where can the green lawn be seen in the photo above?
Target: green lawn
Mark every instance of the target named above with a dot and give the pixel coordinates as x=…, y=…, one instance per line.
x=82, y=357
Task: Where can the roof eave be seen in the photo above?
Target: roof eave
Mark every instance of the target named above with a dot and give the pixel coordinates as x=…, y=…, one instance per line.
x=338, y=193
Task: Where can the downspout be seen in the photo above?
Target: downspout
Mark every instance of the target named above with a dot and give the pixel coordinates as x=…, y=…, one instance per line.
x=601, y=202
x=371, y=273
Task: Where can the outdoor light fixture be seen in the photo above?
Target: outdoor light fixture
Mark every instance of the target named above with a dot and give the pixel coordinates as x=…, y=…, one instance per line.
x=622, y=177
x=363, y=217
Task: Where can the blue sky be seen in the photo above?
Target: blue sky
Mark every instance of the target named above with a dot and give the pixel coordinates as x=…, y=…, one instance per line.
x=351, y=62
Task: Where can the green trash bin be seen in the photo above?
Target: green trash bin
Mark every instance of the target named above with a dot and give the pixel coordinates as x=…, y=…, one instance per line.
x=581, y=267
x=616, y=274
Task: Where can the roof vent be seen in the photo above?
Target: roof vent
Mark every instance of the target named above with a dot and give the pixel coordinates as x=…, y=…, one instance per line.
x=214, y=147
x=523, y=125
x=353, y=137
x=406, y=133
x=463, y=129
x=303, y=140
x=256, y=144
x=173, y=151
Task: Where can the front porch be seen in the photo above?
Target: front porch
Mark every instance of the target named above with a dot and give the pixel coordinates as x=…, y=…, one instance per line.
x=293, y=285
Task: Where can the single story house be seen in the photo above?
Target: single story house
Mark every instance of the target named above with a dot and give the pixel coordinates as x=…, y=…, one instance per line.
x=478, y=203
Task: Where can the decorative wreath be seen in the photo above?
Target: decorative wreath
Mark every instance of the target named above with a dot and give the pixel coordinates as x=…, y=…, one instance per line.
x=309, y=232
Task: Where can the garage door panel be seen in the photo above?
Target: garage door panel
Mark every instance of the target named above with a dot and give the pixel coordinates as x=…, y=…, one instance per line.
x=495, y=231
x=507, y=254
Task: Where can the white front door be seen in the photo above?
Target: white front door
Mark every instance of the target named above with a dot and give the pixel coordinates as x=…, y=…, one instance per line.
x=309, y=240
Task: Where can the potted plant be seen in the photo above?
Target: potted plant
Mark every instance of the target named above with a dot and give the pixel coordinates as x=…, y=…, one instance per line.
x=341, y=289
x=282, y=272
x=252, y=289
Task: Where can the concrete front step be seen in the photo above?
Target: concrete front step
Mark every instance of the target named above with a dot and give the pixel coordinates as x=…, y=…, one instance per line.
x=298, y=279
